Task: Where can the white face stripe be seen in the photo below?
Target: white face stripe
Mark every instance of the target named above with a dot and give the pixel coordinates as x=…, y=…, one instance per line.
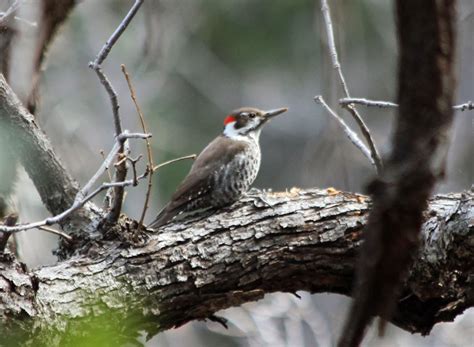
x=229, y=130
x=232, y=133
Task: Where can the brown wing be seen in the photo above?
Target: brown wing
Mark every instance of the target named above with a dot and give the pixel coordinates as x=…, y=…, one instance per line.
x=199, y=182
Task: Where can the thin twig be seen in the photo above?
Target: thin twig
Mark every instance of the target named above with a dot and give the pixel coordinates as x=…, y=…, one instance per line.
x=347, y=130
x=102, y=153
x=96, y=65
x=123, y=159
x=468, y=106
x=5, y=16
x=60, y=217
x=104, y=52
x=26, y=21
x=108, y=160
x=83, y=196
x=376, y=160
x=56, y=232
x=113, y=98
x=134, y=167
x=77, y=204
x=366, y=102
x=148, y=145
x=159, y=166
x=116, y=195
x=332, y=45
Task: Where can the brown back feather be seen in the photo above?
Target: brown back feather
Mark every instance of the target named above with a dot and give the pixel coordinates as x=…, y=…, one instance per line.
x=200, y=179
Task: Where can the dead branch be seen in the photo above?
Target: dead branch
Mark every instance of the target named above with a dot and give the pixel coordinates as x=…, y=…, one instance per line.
x=96, y=65
x=351, y=135
x=83, y=196
x=376, y=160
x=148, y=144
x=467, y=106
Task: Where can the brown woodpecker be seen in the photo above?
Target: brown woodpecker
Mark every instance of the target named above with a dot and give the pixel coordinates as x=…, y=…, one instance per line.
x=225, y=169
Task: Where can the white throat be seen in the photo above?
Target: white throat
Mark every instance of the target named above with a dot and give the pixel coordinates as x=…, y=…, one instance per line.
x=232, y=133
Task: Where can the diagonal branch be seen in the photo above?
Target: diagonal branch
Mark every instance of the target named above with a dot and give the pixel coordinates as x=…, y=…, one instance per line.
x=83, y=195
x=54, y=184
x=353, y=137
x=376, y=160
x=96, y=65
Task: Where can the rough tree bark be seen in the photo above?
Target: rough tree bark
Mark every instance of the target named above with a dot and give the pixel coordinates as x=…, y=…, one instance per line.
x=300, y=240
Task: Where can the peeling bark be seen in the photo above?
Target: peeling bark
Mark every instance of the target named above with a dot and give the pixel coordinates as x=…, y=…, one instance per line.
x=301, y=240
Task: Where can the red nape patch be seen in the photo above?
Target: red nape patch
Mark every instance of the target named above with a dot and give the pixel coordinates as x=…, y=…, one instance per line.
x=229, y=119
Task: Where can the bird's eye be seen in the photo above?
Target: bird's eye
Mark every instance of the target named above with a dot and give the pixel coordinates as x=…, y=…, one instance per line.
x=252, y=115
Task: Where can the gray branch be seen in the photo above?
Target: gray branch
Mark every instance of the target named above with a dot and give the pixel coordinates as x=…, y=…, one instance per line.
x=96, y=65
x=83, y=196
x=467, y=106
x=27, y=141
x=298, y=240
x=351, y=135
x=376, y=160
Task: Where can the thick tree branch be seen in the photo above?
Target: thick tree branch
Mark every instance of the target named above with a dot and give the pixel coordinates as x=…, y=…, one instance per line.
x=24, y=138
x=299, y=240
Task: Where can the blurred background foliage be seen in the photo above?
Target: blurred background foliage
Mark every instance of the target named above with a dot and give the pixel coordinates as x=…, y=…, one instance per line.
x=192, y=62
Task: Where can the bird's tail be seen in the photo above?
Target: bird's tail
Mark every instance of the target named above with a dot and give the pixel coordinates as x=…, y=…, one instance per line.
x=164, y=216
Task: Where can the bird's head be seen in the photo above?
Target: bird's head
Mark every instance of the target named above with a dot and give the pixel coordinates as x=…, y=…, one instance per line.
x=248, y=121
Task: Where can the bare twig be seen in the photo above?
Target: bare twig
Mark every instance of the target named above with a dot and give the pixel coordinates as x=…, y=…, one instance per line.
x=159, y=166
x=60, y=217
x=108, y=160
x=376, y=160
x=366, y=102
x=121, y=171
x=104, y=52
x=134, y=167
x=26, y=21
x=83, y=195
x=56, y=232
x=468, y=106
x=148, y=145
x=102, y=153
x=347, y=130
x=9, y=13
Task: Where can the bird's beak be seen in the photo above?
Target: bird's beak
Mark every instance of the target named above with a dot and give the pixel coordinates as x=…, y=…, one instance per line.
x=272, y=113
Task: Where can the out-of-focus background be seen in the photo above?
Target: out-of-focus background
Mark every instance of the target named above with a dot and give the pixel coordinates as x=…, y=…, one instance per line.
x=192, y=62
